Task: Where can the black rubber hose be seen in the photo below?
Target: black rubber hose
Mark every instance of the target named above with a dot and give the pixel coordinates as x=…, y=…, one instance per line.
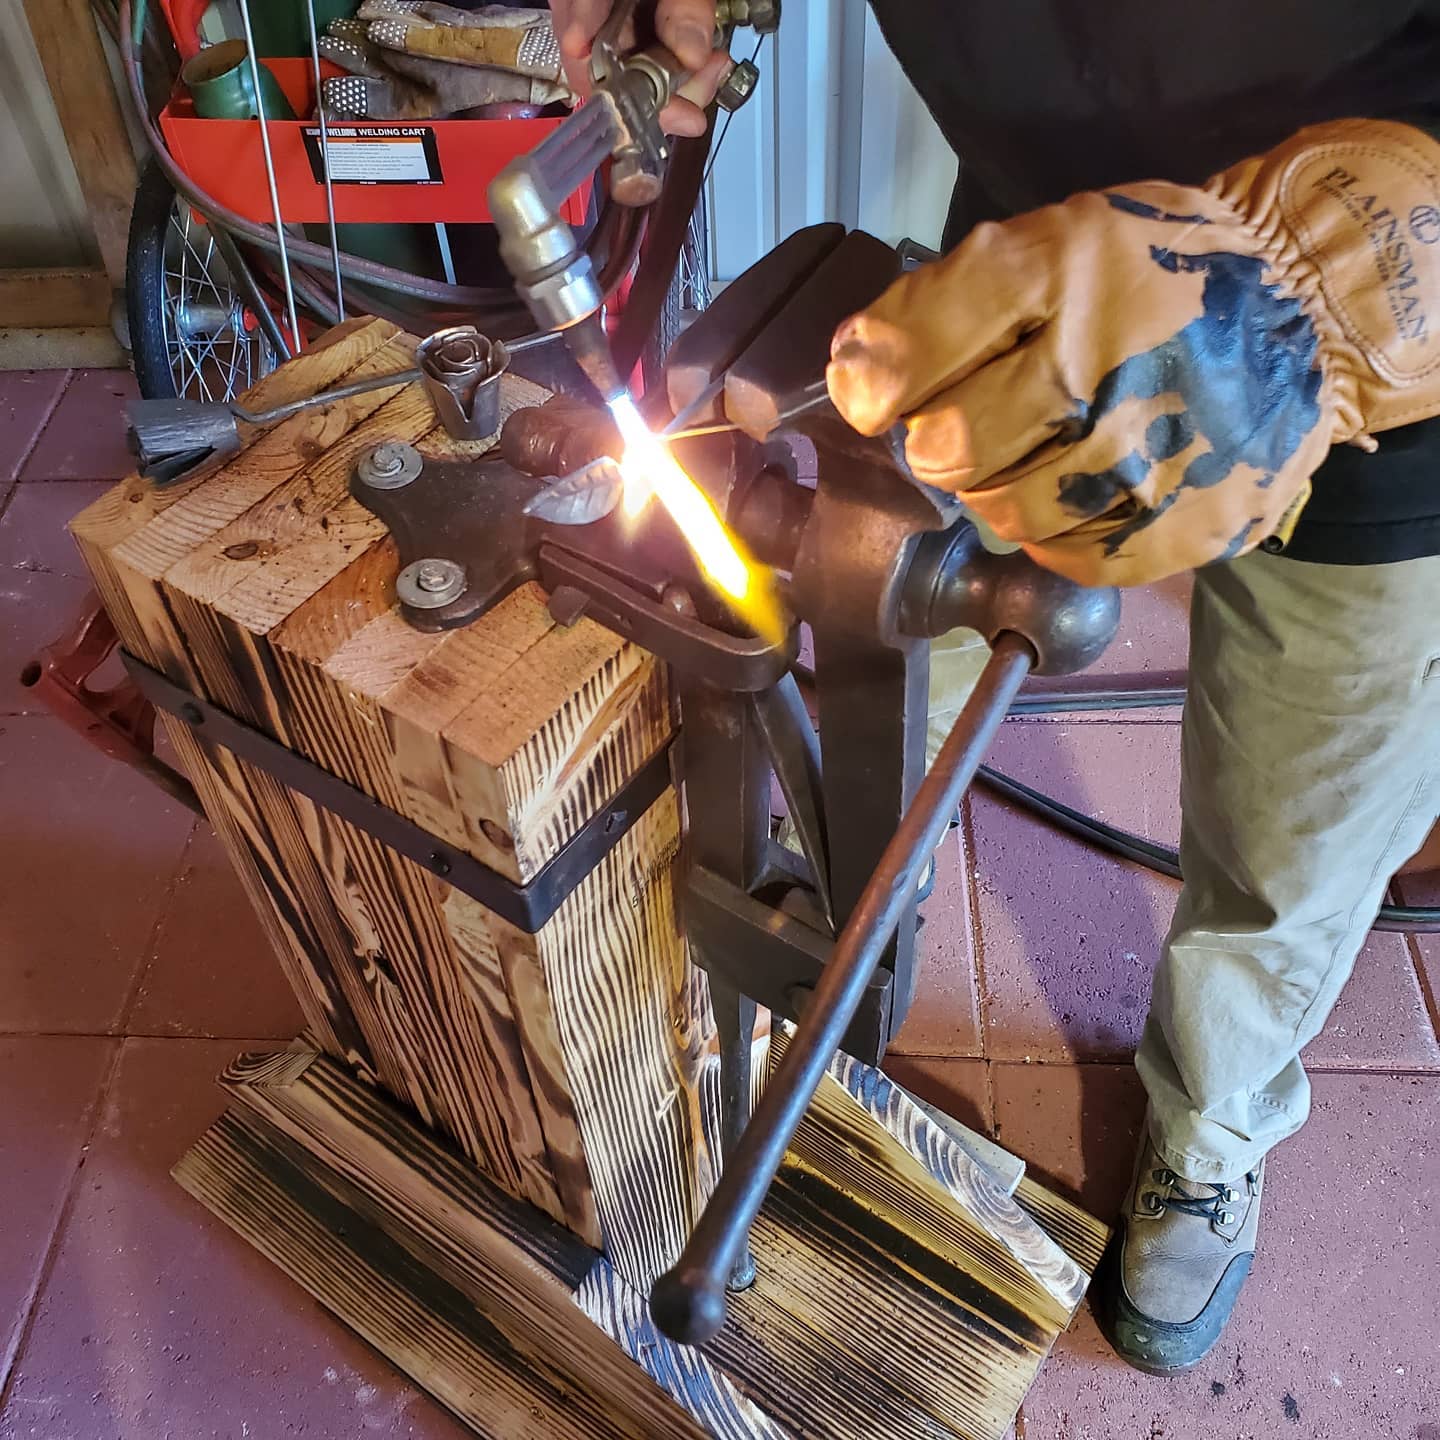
x=1110, y=839
x=1401, y=919
x=490, y=307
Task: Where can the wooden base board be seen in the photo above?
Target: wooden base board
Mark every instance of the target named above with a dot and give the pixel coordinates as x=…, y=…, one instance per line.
x=869, y=1318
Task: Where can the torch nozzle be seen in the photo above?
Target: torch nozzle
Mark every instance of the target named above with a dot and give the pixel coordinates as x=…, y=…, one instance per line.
x=590, y=346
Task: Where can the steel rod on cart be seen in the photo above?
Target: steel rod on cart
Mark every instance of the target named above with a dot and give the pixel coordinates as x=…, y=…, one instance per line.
x=325, y=163
x=688, y=1302
x=270, y=176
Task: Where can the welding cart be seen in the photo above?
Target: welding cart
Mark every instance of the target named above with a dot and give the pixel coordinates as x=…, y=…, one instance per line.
x=401, y=229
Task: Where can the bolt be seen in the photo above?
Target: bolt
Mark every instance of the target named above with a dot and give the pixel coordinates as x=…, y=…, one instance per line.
x=391, y=465
x=192, y=714
x=431, y=583
x=439, y=862
x=387, y=459
x=678, y=598
x=742, y=1277
x=433, y=575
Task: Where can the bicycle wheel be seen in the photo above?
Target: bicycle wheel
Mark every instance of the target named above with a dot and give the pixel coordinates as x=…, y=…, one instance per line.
x=688, y=294
x=191, y=333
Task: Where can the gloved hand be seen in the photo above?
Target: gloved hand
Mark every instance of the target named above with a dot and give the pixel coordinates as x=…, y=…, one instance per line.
x=686, y=26
x=391, y=84
x=1140, y=381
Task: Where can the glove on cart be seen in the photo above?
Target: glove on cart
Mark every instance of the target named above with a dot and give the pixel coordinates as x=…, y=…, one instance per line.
x=389, y=83
x=519, y=40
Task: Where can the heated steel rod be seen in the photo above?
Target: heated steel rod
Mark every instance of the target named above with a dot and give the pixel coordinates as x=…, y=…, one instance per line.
x=688, y=1302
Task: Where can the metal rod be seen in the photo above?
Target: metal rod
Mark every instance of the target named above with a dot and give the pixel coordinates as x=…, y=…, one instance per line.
x=676, y=427
x=1103, y=692
x=244, y=278
x=688, y=1302
x=325, y=397
x=325, y=163
x=735, y=1026
x=492, y=306
x=815, y=395
x=270, y=175
x=447, y=260
x=794, y=750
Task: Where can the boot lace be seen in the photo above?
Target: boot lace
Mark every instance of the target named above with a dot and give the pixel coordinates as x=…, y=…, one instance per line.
x=1211, y=1206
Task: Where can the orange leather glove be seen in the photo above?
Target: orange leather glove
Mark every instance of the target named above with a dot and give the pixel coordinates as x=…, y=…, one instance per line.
x=1140, y=381
x=385, y=83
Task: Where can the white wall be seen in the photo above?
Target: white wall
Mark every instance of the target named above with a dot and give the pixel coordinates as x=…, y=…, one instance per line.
x=43, y=221
x=833, y=132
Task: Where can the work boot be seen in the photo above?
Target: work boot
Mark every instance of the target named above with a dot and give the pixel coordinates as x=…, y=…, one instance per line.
x=1182, y=1252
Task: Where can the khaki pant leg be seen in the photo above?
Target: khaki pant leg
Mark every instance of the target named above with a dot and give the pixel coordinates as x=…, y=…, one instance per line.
x=1310, y=773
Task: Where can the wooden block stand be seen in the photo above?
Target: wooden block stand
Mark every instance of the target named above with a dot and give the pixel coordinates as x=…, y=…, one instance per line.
x=490, y=1142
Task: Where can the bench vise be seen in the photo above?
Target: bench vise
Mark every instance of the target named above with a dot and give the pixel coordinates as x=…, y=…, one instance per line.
x=875, y=565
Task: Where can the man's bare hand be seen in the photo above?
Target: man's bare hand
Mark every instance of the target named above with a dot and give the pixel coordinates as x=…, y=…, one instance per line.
x=686, y=26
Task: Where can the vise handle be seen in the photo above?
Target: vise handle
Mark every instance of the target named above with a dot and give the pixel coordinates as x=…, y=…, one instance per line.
x=688, y=1301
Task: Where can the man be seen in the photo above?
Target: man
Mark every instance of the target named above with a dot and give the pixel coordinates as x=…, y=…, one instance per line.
x=1238, y=358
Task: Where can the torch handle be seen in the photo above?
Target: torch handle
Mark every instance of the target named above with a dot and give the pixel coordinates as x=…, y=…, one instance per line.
x=688, y=1302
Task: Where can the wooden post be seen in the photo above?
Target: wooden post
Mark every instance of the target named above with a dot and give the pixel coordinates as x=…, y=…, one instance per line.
x=89, y=110
x=565, y=1078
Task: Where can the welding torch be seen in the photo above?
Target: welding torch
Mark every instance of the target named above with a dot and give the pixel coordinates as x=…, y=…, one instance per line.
x=620, y=122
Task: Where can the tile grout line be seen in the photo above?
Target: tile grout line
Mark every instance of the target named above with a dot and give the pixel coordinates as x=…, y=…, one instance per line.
x=1432, y=1006
x=167, y=900
x=1123, y=1062
x=977, y=947
x=182, y=1036
x=1127, y=1062
x=24, y=458
x=10, y=1360
x=1146, y=715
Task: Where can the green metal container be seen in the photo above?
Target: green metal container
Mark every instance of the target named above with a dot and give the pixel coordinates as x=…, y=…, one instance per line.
x=223, y=88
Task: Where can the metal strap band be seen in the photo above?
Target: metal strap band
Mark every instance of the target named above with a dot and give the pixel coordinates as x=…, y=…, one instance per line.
x=527, y=907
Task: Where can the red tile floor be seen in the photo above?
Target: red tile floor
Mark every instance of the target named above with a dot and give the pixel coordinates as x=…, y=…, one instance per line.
x=131, y=971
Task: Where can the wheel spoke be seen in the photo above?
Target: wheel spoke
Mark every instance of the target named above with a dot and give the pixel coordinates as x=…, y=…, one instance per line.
x=209, y=353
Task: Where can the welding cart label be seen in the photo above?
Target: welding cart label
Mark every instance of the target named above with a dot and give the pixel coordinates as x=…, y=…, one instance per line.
x=376, y=155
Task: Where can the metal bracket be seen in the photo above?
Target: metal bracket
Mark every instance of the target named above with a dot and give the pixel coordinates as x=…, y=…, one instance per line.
x=777, y=959
x=470, y=515
x=527, y=907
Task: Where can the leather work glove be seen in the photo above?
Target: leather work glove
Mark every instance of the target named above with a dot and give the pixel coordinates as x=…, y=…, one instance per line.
x=386, y=84
x=1140, y=381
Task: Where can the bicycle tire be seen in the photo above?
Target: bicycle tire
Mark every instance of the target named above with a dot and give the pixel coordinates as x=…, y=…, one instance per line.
x=158, y=219
x=145, y=284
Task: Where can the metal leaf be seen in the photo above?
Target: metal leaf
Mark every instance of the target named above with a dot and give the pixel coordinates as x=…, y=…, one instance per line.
x=581, y=497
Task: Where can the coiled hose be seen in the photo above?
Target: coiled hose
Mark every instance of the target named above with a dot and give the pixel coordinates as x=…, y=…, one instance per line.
x=496, y=309
x=1162, y=859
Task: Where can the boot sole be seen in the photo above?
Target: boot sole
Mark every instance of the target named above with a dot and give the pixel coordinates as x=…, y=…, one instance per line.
x=1120, y=1320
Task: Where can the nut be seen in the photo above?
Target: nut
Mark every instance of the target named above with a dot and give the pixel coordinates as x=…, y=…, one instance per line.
x=391, y=465
x=762, y=16
x=430, y=584
x=738, y=86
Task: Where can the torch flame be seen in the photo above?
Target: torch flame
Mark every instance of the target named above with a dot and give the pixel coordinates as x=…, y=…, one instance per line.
x=649, y=469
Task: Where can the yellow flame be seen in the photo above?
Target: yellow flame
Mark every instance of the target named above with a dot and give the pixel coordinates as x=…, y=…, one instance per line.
x=649, y=469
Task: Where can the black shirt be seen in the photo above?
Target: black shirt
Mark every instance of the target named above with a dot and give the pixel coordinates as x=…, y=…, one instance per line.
x=1041, y=98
